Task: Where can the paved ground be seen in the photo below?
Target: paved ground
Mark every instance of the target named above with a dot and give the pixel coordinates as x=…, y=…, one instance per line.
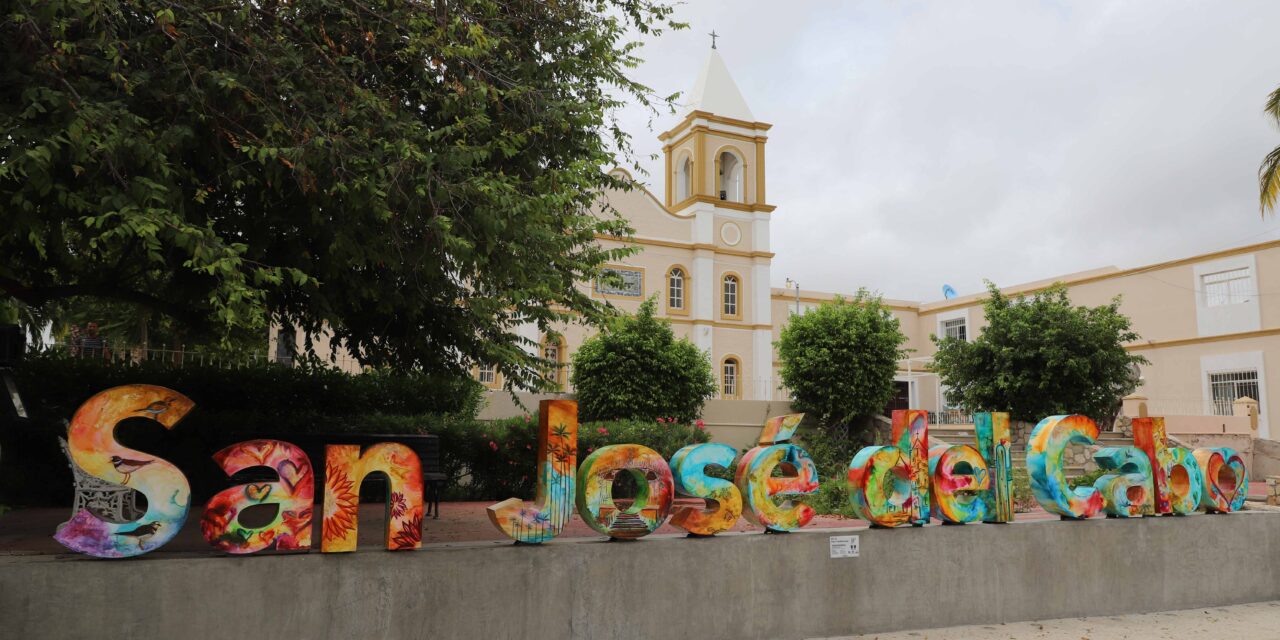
x=1253, y=621
x=30, y=531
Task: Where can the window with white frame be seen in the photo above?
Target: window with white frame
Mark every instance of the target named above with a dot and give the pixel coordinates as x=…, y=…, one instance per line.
x=487, y=375
x=1233, y=286
x=730, y=297
x=729, y=378
x=675, y=289
x=1226, y=387
x=955, y=328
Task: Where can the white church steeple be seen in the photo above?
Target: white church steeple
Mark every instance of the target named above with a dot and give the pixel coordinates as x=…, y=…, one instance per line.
x=715, y=154
x=716, y=92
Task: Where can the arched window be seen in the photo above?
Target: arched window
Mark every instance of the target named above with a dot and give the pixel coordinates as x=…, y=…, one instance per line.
x=729, y=382
x=684, y=180
x=677, y=286
x=553, y=350
x=729, y=307
x=730, y=177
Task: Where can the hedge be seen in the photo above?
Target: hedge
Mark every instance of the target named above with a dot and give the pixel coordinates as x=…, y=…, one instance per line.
x=483, y=460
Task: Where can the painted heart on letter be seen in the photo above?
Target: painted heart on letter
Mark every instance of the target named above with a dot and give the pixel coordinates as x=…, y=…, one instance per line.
x=1226, y=479
x=260, y=450
x=258, y=492
x=291, y=474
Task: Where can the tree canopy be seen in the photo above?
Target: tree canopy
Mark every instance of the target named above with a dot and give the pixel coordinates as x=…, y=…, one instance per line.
x=1041, y=356
x=839, y=359
x=417, y=178
x=637, y=368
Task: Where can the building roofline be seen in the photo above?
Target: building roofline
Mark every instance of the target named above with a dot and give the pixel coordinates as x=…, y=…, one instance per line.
x=1071, y=279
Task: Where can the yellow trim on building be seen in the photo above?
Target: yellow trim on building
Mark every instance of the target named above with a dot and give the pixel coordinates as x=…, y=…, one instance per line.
x=1014, y=290
x=1244, y=335
x=711, y=117
x=688, y=245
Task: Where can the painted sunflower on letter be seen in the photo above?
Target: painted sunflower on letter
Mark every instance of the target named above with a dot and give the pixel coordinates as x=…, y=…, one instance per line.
x=340, y=505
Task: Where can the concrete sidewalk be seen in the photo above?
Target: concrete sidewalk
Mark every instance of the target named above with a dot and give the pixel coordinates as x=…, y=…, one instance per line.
x=1260, y=620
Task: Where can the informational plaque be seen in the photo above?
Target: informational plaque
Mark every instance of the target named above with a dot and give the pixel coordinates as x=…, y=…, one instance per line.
x=844, y=546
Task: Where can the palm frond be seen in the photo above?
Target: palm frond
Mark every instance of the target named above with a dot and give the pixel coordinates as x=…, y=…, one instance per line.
x=1269, y=181
x=1272, y=108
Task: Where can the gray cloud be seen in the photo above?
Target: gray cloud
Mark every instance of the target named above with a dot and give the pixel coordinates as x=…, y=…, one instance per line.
x=922, y=143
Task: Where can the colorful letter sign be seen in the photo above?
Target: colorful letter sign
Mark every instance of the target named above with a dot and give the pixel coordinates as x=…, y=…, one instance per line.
x=1176, y=476
x=889, y=486
x=345, y=469
x=689, y=471
x=557, y=468
x=292, y=494
x=760, y=489
x=1128, y=493
x=1045, y=451
x=958, y=478
x=655, y=491
x=93, y=447
x=992, y=432
x=1226, y=479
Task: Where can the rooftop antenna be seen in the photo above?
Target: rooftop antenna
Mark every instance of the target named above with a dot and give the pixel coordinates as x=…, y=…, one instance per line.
x=948, y=292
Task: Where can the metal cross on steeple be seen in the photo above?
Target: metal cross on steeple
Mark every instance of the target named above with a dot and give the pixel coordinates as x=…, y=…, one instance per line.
x=713, y=38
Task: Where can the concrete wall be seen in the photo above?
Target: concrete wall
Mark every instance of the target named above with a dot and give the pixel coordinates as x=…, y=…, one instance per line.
x=733, y=586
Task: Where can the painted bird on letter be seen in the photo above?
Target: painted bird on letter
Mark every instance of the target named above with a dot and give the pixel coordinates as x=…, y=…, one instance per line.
x=141, y=532
x=127, y=466
x=155, y=408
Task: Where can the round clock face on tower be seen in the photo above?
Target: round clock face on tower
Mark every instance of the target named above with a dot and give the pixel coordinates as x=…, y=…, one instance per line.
x=730, y=234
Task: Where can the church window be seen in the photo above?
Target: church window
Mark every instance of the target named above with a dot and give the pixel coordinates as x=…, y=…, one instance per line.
x=729, y=297
x=729, y=378
x=684, y=180
x=676, y=287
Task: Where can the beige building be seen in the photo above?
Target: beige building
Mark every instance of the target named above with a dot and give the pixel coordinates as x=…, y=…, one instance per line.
x=1210, y=324
x=1207, y=322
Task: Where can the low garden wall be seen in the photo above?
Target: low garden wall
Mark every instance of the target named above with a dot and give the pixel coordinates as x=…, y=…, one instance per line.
x=731, y=586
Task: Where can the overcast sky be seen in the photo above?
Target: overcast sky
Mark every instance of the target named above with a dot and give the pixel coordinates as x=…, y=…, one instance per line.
x=922, y=143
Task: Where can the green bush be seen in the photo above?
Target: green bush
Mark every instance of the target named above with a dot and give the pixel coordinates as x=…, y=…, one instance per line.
x=1040, y=356
x=231, y=405
x=496, y=460
x=636, y=368
x=1087, y=479
x=1024, y=499
x=483, y=460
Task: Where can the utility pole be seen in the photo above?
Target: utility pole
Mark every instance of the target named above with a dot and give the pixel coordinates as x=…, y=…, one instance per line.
x=792, y=283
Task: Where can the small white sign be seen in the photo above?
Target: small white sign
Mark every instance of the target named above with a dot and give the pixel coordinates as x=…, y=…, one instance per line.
x=844, y=546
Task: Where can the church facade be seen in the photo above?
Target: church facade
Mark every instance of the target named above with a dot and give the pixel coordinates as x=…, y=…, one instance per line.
x=704, y=242
x=1209, y=325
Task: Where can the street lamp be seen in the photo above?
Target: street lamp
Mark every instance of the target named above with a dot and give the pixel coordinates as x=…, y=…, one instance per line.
x=790, y=284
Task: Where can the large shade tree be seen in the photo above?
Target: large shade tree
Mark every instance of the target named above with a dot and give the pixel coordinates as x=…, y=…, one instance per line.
x=417, y=177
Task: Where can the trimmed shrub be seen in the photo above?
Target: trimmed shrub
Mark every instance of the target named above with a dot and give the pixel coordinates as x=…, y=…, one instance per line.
x=636, y=368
